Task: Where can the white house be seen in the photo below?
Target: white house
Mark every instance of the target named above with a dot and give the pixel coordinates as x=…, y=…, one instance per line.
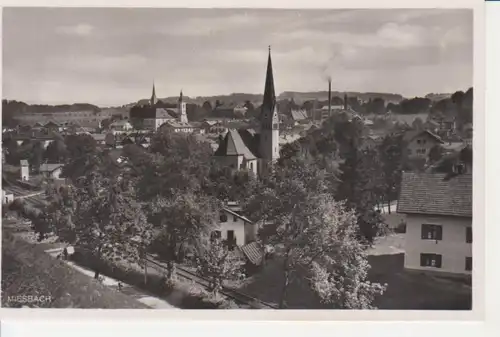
x=438, y=210
x=120, y=126
x=234, y=228
x=25, y=170
x=7, y=197
x=51, y=170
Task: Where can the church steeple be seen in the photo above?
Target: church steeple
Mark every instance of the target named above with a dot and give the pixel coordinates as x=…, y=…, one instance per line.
x=181, y=106
x=269, y=133
x=153, y=100
x=269, y=101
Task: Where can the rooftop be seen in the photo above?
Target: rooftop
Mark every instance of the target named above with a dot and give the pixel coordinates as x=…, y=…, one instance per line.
x=410, y=135
x=436, y=194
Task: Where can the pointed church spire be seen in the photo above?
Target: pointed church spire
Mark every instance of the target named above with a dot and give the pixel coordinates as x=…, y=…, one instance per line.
x=154, y=100
x=269, y=94
x=180, y=96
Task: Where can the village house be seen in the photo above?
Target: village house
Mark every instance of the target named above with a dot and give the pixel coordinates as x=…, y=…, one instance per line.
x=234, y=228
x=176, y=126
x=25, y=170
x=438, y=210
x=7, y=197
x=120, y=126
x=420, y=142
x=214, y=127
x=52, y=171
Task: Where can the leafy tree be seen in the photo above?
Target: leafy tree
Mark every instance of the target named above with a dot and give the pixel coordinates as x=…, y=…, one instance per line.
x=340, y=273
x=36, y=155
x=391, y=157
x=56, y=151
x=182, y=221
x=466, y=155
x=436, y=153
x=217, y=263
x=107, y=221
x=83, y=156
x=307, y=227
x=178, y=163
x=287, y=205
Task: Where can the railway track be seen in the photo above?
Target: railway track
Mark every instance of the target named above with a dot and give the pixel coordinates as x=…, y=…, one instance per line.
x=238, y=297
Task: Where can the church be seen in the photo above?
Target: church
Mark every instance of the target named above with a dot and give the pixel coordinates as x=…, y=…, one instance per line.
x=152, y=114
x=251, y=150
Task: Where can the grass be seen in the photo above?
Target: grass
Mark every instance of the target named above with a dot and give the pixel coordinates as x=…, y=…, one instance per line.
x=182, y=294
x=28, y=271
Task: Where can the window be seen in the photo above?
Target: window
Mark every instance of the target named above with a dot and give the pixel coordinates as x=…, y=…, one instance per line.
x=223, y=217
x=231, y=240
x=418, y=141
x=409, y=151
x=468, y=235
x=430, y=260
x=432, y=232
x=468, y=263
x=235, y=218
x=251, y=166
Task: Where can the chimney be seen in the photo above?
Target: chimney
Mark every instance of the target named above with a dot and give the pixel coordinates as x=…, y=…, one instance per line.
x=345, y=101
x=329, y=97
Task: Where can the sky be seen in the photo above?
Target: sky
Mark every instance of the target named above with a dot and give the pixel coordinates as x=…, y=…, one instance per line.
x=111, y=56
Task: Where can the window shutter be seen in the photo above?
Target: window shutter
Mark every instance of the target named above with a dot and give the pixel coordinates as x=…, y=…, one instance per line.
x=423, y=260
x=438, y=260
x=439, y=232
x=424, y=234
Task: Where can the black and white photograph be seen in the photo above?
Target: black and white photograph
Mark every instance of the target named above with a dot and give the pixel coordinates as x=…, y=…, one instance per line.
x=237, y=158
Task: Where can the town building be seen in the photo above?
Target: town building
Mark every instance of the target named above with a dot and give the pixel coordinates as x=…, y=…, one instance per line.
x=120, y=126
x=177, y=126
x=85, y=118
x=7, y=197
x=52, y=171
x=438, y=210
x=234, y=228
x=420, y=142
x=151, y=116
x=247, y=149
x=25, y=170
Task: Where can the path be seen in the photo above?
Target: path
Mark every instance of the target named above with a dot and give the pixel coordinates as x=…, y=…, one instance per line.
x=141, y=296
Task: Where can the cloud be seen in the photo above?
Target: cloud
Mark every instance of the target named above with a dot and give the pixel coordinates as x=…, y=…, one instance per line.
x=81, y=29
x=206, y=26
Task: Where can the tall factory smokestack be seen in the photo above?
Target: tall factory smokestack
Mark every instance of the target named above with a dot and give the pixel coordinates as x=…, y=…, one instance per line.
x=329, y=97
x=345, y=101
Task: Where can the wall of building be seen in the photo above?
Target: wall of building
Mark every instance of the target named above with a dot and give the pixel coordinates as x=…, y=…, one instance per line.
x=230, y=161
x=235, y=224
x=453, y=246
x=251, y=231
x=25, y=173
x=422, y=142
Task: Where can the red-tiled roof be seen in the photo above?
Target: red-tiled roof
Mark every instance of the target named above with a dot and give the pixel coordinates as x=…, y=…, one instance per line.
x=253, y=252
x=436, y=194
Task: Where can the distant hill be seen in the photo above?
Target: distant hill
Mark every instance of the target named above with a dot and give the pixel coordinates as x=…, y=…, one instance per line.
x=323, y=96
x=256, y=99
x=437, y=97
